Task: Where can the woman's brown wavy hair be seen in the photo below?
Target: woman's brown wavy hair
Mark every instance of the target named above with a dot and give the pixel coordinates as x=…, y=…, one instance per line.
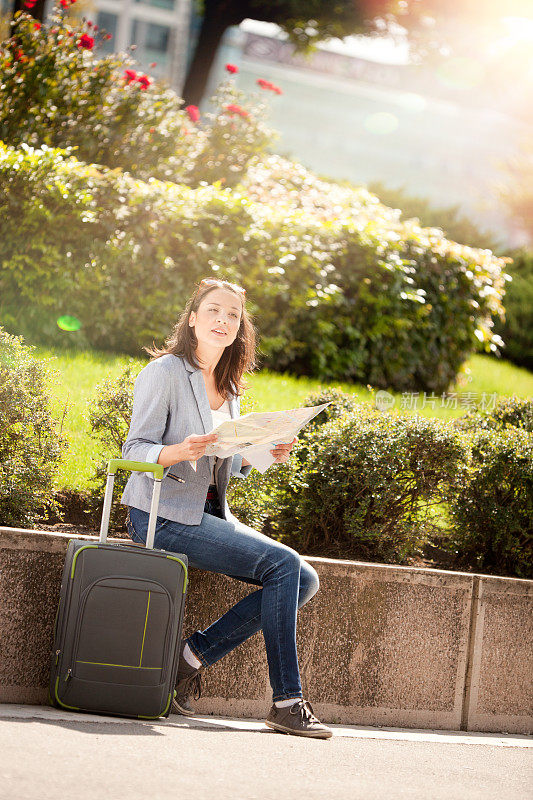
x=239, y=357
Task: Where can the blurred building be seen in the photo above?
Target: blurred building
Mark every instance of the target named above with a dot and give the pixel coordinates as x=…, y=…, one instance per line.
x=360, y=111
x=159, y=29
x=355, y=110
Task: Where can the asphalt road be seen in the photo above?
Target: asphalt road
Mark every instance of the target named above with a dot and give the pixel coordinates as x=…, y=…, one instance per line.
x=49, y=753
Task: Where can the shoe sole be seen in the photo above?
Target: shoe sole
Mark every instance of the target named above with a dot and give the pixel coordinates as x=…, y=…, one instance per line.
x=310, y=735
x=177, y=709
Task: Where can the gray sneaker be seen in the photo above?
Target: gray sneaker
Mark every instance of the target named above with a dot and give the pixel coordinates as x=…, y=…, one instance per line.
x=298, y=719
x=188, y=687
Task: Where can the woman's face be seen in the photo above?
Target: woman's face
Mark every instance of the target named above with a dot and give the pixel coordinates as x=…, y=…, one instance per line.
x=220, y=310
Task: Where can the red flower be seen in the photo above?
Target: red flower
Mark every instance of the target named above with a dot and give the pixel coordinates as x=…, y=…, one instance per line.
x=30, y=3
x=153, y=64
x=108, y=36
x=89, y=24
x=130, y=75
x=86, y=41
x=144, y=80
x=96, y=27
x=65, y=3
x=193, y=112
x=231, y=68
x=235, y=109
x=71, y=33
x=37, y=26
x=152, y=130
x=268, y=85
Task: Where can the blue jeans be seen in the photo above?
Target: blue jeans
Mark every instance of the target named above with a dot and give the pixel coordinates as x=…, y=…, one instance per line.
x=241, y=552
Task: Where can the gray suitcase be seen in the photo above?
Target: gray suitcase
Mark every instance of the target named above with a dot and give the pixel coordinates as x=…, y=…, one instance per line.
x=119, y=619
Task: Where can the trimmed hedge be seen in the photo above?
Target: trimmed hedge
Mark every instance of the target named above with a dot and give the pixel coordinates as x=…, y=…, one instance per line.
x=366, y=484
x=356, y=297
x=492, y=504
x=515, y=412
x=30, y=443
x=517, y=330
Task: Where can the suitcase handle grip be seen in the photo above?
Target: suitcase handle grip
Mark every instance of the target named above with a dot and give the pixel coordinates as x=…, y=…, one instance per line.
x=132, y=466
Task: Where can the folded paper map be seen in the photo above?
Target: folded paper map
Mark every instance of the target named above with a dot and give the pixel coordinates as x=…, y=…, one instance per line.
x=255, y=434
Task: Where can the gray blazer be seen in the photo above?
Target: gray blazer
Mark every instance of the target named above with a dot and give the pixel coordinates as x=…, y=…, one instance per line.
x=170, y=403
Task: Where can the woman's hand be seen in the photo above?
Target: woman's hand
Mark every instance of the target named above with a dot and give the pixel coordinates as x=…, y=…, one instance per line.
x=190, y=449
x=281, y=452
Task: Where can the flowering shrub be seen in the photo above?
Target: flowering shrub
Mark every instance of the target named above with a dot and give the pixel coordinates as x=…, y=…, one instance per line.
x=56, y=90
x=235, y=138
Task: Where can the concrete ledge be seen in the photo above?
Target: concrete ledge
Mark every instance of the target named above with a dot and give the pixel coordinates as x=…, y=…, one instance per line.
x=378, y=645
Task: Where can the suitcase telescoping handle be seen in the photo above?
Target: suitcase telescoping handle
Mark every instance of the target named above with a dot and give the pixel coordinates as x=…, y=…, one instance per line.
x=133, y=466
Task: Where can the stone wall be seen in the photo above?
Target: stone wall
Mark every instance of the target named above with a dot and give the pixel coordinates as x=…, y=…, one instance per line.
x=378, y=644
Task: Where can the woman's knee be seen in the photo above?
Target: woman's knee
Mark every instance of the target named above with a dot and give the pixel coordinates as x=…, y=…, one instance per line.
x=281, y=558
x=309, y=582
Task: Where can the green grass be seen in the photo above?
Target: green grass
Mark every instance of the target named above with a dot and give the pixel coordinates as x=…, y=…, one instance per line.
x=78, y=373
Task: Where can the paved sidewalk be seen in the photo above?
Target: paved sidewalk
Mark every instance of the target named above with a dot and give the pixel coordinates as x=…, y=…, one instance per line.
x=47, y=751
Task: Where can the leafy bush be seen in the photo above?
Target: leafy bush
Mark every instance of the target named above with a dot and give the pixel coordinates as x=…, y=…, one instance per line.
x=491, y=511
x=364, y=484
x=517, y=329
x=492, y=504
x=368, y=484
x=354, y=298
x=69, y=246
x=30, y=443
x=109, y=417
x=56, y=91
x=453, y=222
x=508, y=412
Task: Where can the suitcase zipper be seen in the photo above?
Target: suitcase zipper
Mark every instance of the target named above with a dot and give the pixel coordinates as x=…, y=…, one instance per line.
x=81, y=611
x=68, y=675
x=57, y=654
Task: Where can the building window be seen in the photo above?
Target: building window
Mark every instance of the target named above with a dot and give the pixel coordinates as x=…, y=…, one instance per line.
x=108, y=23
x=152, y=41
x=158, y=3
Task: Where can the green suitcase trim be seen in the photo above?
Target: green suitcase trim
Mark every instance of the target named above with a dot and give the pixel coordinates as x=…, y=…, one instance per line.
x=106, y=664
x=141, y=716
x=134, y=466
x=186, y=572
x=55, y=622
x=85, y=547
x=74, y=708
x=144, y=631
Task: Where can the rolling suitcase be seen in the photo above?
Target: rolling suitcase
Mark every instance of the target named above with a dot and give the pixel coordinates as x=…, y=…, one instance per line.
x=118, y=623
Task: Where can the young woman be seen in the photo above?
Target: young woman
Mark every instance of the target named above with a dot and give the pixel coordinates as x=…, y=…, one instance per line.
x=188, y=387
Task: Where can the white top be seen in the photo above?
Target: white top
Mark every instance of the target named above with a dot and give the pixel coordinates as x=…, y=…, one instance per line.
x=219, y=415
